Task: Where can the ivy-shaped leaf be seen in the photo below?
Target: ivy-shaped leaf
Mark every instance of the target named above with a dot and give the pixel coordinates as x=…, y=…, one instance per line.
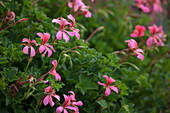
x=85, y=84
x=10, y=74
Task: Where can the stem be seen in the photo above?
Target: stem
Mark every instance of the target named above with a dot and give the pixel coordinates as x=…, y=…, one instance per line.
x=125, y=58
x=60, y=56
x=117, y=52
x=27, y=66
x=114, y=70
x=44, y=63
x=98, y=29
x=24, y=96
x=40, y=78
x=120, y=109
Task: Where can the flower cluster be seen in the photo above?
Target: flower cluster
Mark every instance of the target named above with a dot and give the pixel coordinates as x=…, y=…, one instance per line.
x=78, y=5
x=65, y=30
x=156, y=35
x=70, y=103
x=150, y=5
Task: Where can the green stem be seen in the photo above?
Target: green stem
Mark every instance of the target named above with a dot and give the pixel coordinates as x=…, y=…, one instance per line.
x=114, y=70
x=24, y=96
x=120, y=110
x=44, y=63
x=27, y=66
x=60, y=57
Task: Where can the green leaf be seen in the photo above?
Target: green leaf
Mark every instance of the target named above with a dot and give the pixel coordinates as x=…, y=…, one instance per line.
x=10, y=74
x=85, y=84
x=103, y=103
x=133, y=65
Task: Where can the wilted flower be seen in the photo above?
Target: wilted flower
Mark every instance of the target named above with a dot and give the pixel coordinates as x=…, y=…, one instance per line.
x=29, y=45
x=45, y=46
x=48, y=99
x=107, y=85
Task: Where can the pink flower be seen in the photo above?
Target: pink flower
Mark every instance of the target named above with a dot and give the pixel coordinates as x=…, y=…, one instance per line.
x=139, y=53
x=143, y=5
x=107, y=86
x=157, y=6
x=45, y=46
x=150, y=5
x=63, y=30
x=66, y=105
x=78, y=4
x=132, y=44
x=92, y=0
x=29, y=45
x=53, y=71
x=157, y=36
x=139, y=32
x=48, y=99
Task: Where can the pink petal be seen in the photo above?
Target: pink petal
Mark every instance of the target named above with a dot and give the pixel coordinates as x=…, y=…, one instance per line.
x=102, y=84
x=44, y=53
x=73, y=19
x=70, y=5
x=140, y=50
x=41, y=48
x=107, y=91
x=46, y=100
x=57, y=21
x=59, y=109
x=59, y=35
x=33, y=41
x=72, y=97
x=71, y=33
x=134, y=34
x=51, y=101
x=26, y=49
x=71, y=108
x=40, y=35
x=111, y=80
x=114, y=88
x=65, y=111
x=54, y=62
x=25, y=40
x=144, y=8
x=140, y=56
x=32, y=52
x=56, y=96
x=51, y=47
x=66, y=37
x=67, y=100
x=47, y=89
x=149, y=41
x=49, y=52
x=79, y=103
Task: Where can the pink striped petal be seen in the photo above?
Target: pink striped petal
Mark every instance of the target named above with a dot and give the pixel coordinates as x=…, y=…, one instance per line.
x=114, y=88
x=40, y=35
x=32, y=52
x=66, y=37
x=107, y=91
x=59, y=35
x=56, y=96
x=51, y=101
x=25, y=40
x=79, y=103
x=59, y=109
x=102, y=84
x=26, y=49
x=51, y=47
x=46, y=100
x=41, y=48
x=33, y=41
